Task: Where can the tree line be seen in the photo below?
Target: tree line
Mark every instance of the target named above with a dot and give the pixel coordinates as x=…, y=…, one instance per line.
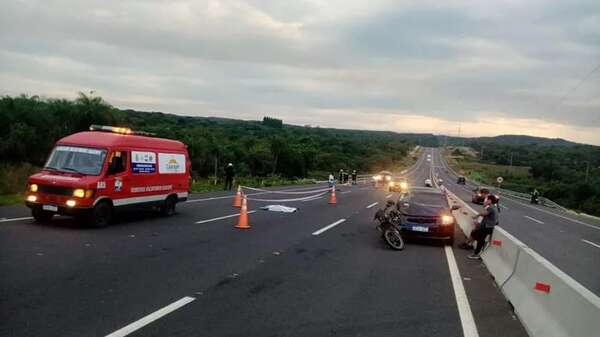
x=257, y=148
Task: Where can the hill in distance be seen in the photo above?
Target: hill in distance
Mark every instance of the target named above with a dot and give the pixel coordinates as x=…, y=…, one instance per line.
x=515, y=140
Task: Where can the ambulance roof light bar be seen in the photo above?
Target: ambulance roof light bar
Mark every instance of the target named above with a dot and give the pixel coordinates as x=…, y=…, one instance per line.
x=116, y=129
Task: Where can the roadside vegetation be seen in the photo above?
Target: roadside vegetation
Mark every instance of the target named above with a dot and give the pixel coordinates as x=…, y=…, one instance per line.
x=568, y=175
x=264, y=153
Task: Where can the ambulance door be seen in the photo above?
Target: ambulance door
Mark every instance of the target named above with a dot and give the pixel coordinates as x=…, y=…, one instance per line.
x=144, y=176
x=117, y=182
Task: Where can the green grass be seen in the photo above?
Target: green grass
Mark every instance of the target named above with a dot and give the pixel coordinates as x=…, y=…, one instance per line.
x=207, y=184
x=10, y=199
x=516, y=178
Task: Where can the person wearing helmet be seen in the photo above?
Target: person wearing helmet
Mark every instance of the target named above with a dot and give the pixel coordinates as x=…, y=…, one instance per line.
x=229, y=173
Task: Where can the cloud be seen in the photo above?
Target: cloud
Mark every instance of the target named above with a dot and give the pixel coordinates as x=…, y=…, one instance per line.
x=426, y=64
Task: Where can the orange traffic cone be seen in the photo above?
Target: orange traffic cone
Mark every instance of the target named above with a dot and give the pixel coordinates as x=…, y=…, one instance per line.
x=333, y=199
x=243, y=220
x=237, y=200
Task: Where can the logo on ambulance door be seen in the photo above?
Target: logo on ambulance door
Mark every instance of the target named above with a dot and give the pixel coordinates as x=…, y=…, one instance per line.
x=171, y=163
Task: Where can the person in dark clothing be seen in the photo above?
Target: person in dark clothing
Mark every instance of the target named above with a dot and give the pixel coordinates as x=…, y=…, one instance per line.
x=486, y=226
x=345, y=177
x=534, y=196
x=229, y=173
x=354, y=177
x=341, y=177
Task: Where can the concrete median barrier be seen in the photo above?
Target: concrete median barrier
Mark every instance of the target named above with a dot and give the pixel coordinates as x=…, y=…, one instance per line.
x=548, y=302
x=500, y=257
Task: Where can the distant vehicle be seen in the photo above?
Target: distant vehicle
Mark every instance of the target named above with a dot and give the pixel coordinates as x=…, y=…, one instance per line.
x=428, y=183
x=91, y=174
x=440, y=181
x=479, y=195
x=398, y=185
x=461, y=180
x=382, y=179
x=425, y=213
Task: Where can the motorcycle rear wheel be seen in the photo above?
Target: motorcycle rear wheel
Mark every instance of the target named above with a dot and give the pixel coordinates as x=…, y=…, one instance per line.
x=393, y=239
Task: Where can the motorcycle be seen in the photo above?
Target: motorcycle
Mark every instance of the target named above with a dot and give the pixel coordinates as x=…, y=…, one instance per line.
x=389, y=225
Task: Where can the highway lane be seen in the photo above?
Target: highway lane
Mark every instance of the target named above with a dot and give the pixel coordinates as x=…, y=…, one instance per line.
x=551, y=233
x=276, y=278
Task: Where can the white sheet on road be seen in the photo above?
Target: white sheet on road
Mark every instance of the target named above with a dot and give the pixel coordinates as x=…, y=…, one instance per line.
x=279, y=208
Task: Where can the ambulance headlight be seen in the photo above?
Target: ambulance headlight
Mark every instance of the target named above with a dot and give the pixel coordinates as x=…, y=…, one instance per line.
x=447, y=220
x=71, y=203
x=79, y=193
x=31, y=198
x=33, y=188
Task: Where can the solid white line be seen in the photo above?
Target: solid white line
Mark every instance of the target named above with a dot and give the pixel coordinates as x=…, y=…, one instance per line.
x=534, y=219
x=16, y=219
x=151, y=317
x=223, y=217
x=317, y=198
x=591, y=243
x=373, y=204
x=328, y=227
x=388, y=196
x=464, y=309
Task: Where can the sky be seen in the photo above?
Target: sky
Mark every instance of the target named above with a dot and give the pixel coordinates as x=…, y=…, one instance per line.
x=487, y=67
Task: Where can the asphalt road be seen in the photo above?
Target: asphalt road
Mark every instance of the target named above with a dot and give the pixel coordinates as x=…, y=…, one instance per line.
x=570, y=242
x=155, y=276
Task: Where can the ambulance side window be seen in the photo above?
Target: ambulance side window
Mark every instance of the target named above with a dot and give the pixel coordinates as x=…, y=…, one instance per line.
x=118, y=163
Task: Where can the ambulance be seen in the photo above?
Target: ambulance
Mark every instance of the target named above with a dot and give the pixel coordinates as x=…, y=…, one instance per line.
x=92, y=174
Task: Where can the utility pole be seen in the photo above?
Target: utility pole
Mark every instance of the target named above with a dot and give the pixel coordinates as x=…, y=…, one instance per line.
x=482, y=148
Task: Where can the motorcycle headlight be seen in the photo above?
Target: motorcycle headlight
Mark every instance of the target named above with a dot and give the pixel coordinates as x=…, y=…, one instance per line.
x=447, y=220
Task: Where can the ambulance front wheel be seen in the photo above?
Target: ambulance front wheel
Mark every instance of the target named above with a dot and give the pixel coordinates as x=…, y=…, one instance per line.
x=168, y=207
x=101, y=215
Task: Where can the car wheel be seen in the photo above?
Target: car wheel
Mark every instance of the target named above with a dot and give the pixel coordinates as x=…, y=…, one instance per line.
x=40, y=215
x=168, y=207
x=101, y=215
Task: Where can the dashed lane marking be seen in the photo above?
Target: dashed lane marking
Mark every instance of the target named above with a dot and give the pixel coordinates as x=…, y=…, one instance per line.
x=591, y=243
x=222, y=217
x=328, y=227
x=533, y=219
x=345, y=192
x=373, y=204
x=15, y=219
x=464, y=309
x=151, y=317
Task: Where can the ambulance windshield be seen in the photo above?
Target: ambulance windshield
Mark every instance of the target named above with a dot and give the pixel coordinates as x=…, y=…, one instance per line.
x=82, y=160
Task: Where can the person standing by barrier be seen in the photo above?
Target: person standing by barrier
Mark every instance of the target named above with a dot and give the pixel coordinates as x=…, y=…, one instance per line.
x=229, y=174
x=486, y=226
x=353, y=177
x=341, y=177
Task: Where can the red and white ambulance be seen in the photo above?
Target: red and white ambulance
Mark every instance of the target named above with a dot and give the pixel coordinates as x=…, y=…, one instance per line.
x=92, y=173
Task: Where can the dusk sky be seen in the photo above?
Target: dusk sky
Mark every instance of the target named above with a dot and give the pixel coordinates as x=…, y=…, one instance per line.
x=494, y=67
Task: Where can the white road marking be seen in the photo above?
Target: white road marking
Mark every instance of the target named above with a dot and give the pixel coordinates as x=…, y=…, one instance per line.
x=388, y=196
x=151, y=317
x=16, y=219
x=534, y=219
x=317, y=198
x=328, y=227
x=464, y=309
x=555, y=214
x=591, y=243
x=373, y=204
x=223, y=217
x=502, y=206
x=345, y=192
